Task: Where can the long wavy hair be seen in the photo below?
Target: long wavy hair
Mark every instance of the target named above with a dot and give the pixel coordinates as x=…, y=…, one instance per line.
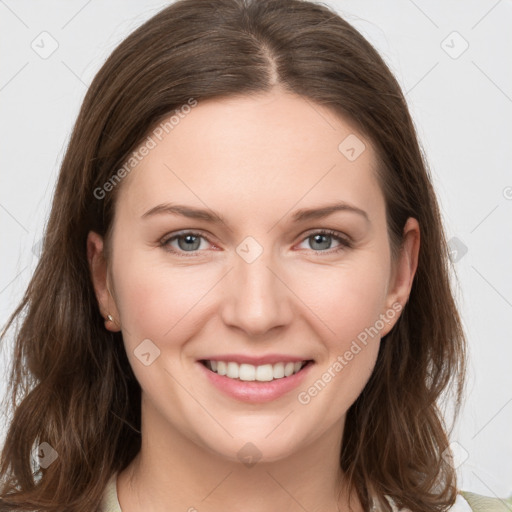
x=70, y=383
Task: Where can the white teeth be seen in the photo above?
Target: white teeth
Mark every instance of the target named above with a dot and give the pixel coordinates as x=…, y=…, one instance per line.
x=221, y=368
x=249, y=372
x=279, y=371
x=232, y=371
x=264, y=373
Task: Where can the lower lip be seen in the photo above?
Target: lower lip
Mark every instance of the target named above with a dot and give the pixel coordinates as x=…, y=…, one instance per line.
x=255, y=391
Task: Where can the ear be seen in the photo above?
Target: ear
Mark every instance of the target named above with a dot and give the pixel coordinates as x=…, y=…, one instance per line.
x=404, y=270
x=100, y=278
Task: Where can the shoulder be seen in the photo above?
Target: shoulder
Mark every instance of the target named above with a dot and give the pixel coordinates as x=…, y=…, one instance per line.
x=469, y=502
x=466, y=501
x=480, y=503
x=110, y=502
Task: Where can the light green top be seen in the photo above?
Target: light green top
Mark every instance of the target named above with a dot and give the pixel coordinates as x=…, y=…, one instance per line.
x=466, y=501
x=110, y=503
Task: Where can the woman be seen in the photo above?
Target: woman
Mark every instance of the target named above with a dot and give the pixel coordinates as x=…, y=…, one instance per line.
x=261, y=371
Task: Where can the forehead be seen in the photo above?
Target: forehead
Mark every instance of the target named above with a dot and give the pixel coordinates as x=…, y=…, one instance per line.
x=274, y=150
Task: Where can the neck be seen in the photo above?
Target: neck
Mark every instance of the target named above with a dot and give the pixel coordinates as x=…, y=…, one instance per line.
x=179, y=473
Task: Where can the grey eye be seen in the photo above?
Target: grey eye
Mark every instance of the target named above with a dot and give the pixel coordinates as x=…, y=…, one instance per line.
x=322, y=241
x=191, y=242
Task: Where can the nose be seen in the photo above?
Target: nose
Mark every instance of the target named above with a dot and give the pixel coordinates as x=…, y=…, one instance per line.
x=257, y=298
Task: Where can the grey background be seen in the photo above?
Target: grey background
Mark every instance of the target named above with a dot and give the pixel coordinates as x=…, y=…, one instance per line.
x=451, y=58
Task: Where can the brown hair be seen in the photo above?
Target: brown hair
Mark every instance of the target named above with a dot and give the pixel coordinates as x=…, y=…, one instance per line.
x=71, y=384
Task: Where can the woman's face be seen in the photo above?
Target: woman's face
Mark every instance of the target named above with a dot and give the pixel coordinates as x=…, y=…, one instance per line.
x=262, y=282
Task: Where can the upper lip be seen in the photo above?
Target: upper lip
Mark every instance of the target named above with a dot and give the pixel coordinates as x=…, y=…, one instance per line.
x=256, y=361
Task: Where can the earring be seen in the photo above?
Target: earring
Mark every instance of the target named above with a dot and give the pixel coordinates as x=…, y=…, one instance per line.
x=109, y=317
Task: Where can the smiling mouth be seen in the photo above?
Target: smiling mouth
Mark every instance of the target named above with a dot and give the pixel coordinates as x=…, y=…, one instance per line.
x=251, y=373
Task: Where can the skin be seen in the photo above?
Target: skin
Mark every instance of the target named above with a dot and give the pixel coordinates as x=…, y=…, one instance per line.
x=254, y=160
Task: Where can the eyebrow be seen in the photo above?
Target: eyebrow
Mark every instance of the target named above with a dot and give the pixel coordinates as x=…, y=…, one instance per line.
x=211, y=216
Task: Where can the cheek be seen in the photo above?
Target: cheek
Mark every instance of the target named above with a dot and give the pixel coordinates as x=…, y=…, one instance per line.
x=347, y=298
x=155, y=300
x=348, y=302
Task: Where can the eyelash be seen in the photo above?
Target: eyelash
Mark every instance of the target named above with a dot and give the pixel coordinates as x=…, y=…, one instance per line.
x=344, y=242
